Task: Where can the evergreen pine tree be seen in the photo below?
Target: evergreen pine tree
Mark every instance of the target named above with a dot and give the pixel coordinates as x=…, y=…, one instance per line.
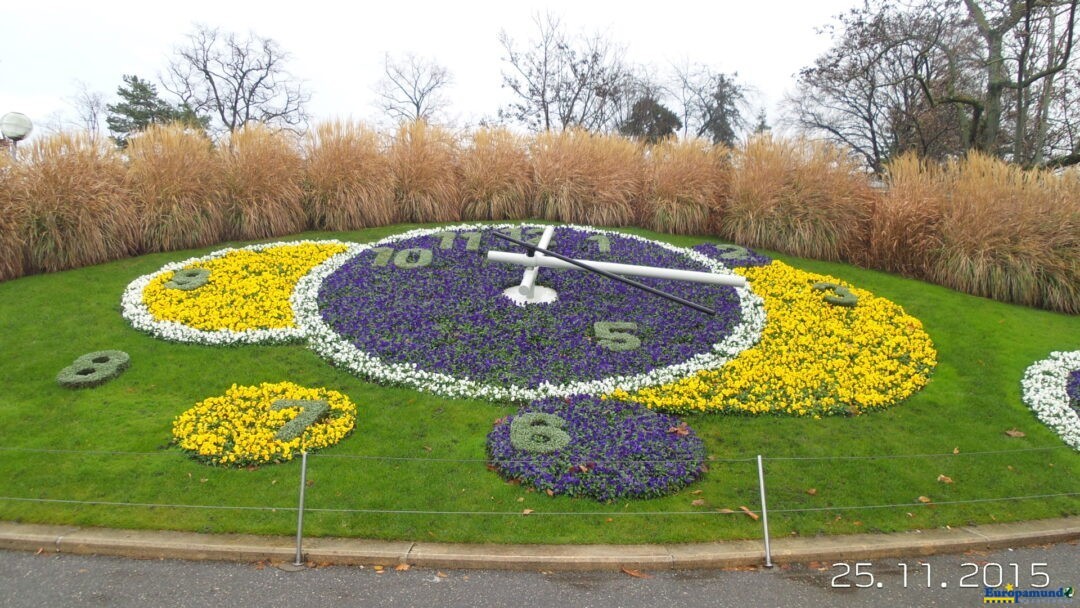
x=141, y=107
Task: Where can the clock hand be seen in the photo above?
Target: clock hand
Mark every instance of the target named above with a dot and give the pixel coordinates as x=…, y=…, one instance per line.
x=552, y=262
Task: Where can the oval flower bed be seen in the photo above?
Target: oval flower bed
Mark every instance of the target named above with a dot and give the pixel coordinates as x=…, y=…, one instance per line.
x=227, y=297
x=1051, y=388
x=271, y=422
x=605, y=449
x=426, y=309
x=814, y=358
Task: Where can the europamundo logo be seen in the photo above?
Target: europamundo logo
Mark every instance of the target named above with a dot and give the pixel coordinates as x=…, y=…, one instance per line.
x=1014, y=595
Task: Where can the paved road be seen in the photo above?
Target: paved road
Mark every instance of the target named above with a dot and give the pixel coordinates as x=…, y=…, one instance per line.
x=68, y=580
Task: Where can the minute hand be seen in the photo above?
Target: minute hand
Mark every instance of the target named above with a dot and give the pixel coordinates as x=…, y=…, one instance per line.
x=501, y=256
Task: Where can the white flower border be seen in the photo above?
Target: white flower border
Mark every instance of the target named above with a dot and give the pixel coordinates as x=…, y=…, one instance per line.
x=1044, y=391
x=330, y=345
x=134, y=309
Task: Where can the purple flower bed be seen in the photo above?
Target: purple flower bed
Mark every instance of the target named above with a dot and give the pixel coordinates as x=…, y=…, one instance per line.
x=446, y=313
x=616, y=450
x=1072, y=389
x=733, y=255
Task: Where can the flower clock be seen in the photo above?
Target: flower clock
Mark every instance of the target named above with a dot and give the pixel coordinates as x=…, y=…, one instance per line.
x=598, y=366
x=1051, y=388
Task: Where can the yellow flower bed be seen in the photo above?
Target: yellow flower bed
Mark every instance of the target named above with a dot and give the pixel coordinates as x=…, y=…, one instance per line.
x=242, y=428
x=813, y=358
x=246, y=289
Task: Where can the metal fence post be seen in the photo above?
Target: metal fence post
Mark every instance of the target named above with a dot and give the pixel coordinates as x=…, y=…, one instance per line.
x=764, y=511
x=300, y=511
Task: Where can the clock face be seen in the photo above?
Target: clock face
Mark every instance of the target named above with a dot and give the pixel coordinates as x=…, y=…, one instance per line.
x=427, y=309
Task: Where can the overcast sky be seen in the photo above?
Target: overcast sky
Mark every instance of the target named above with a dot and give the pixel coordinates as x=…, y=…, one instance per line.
x=48, y=48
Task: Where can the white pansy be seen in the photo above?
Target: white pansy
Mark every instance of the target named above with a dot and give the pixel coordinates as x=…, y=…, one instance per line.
x=1044, y=391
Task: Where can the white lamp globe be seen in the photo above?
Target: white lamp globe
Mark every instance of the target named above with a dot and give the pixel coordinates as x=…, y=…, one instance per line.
x=15, y=126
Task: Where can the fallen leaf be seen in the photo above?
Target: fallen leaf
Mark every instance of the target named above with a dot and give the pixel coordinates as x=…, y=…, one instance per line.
x=521, y=499
x=203, y=480
x=1015, y=433
x=680, y=430
x=956, y=450
x=402, y=567
x=924, y=499
x=944, y=479
x=498, y=421
x=698, y=503
x=753, y=516
x=260, y=565
x=440, y=574
x=696, y=492
x=812, y=491
x=526, y=511
x=427, y=448
x=379, y=569
x=550, y=492
x=856, y=523
x=725, y=511
x=635, y=573
x=39, y=551
x=609, y=520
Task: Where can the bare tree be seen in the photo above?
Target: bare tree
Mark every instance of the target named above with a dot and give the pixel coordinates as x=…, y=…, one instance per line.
x=90, y=107
x=943, y=77
x=712, y=103
x=562, y=82
x=236, y=81
x=412, y=88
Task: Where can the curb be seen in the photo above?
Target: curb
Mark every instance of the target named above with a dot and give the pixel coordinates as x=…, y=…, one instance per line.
x=153, y=544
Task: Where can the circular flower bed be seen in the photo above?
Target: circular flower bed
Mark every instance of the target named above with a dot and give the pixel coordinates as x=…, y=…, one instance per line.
x=815, y=357
x=426, y=309
x=1051, y=388
x=268, y=423
x=607, y=449
x=227, y=297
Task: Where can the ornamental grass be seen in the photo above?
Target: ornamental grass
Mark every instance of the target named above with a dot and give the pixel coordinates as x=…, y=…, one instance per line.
x=904, y=221
x=496, y=176
x=684, y=183
x=261, y=171
x=171, y=177
x=800, y=197
x=1009, y=234
x=68, y=190
x=348, y=179
x=12, y=247
x=423, y=159
x=586, y=178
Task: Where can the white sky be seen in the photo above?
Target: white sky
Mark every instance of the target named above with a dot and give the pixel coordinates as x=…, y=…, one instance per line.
x=48, y=47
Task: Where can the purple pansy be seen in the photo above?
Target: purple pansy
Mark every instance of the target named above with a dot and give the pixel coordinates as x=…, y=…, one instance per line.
x=616, y=450
x=1072, y=389
x=434, y=303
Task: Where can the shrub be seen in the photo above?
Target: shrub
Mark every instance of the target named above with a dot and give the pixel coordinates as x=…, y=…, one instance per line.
x=1009, y=234
x=68, y=190
x=348, y=181
x=423, y=157
x=804, y=198
x=260, y=172
x=684, y=181
x=586, y=178
x=496, y=176
x=93, y=369
x=171, y=172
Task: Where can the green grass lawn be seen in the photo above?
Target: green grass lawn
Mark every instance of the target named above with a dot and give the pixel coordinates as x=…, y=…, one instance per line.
x=112, y=444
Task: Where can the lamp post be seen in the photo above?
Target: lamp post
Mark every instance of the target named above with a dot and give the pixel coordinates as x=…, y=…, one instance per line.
x=16, y=127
